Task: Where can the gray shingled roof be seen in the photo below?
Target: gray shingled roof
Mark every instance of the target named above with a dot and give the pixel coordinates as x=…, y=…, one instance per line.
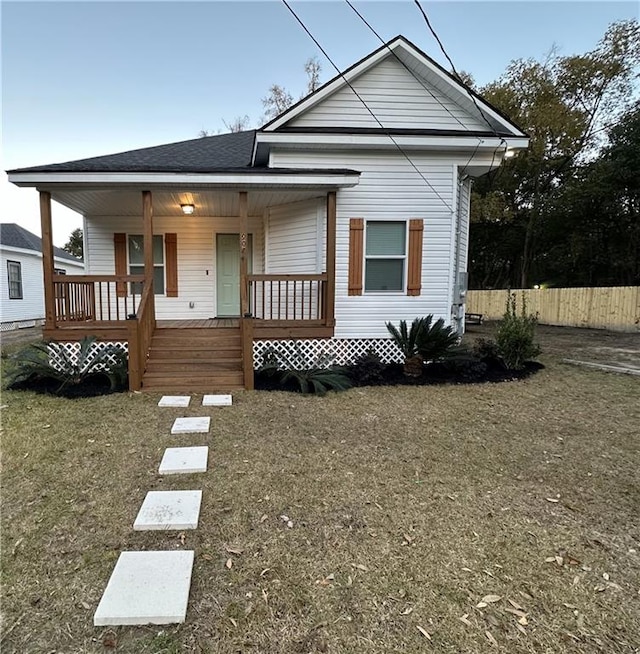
x=15, y=236
x=209, y=154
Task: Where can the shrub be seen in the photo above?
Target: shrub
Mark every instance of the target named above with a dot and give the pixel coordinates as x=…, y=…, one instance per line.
x=317, y=380
x=35, y=361
x=367, y=369
x=487, y=348
x=465, y=368
x=436, y=341
x=515, y=335
x=288, y=368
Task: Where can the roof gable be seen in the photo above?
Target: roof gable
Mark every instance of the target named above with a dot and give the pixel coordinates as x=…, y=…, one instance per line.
x=404, y=89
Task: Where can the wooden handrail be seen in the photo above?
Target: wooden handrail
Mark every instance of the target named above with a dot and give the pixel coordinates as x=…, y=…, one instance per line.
x=288, y=278
x=98, y=278
x=141, y=330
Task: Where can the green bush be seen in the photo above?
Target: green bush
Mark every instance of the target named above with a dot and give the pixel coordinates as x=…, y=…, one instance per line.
x=367, y=369
x=422, y=342
x=35, y=361
x=516, y=334
x=289, y=368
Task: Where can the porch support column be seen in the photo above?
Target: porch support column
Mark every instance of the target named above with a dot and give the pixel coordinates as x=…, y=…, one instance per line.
x=329, y=310
x=243, y=228
x=47, y=260
x=147, y=231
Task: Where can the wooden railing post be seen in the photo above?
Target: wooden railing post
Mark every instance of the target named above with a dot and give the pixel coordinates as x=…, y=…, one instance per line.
x=246, y=330
x=133, y=340
x=244, y=228
x=330, y=303
x=47, y=260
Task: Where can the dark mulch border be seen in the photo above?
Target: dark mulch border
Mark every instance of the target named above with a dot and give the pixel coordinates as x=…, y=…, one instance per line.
x=392, y=374
x=91, y=386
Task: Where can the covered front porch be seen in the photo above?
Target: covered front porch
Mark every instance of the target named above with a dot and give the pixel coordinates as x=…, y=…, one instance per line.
x=271, y=290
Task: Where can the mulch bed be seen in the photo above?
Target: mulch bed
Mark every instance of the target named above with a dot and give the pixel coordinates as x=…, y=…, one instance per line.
x=392, y=374
x=91, y=386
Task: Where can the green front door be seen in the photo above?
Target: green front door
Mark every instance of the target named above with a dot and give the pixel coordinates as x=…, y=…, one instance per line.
x=228, y=273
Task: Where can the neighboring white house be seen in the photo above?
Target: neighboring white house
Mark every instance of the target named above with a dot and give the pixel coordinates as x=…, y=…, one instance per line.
x=348, y=210
x=22, y=289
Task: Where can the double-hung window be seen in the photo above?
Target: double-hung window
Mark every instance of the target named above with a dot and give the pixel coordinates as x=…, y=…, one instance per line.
x=14, y=275
x=136, y=262
x=385, y=256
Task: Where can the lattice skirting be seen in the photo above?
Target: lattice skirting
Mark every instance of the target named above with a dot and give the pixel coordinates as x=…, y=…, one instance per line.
x=323, y=352
x=20, y=324
x=72, y=350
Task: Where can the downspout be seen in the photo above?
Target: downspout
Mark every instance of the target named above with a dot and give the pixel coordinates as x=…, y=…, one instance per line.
x=457, y=299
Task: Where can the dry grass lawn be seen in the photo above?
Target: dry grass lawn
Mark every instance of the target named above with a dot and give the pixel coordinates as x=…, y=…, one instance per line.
x=409, y=506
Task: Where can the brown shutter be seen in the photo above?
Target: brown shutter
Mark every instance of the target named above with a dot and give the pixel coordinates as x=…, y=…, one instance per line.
x=414, y=265
x=356, y=255
x=120, y=257
x=171, y=264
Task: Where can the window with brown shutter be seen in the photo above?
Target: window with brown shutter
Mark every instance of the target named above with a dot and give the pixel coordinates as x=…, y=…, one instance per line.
x=356, y=255
x=414, y=265
x=171, y=255
x=120, y=258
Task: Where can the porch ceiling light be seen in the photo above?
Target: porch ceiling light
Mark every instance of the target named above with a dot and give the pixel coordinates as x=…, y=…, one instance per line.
x=187, y=209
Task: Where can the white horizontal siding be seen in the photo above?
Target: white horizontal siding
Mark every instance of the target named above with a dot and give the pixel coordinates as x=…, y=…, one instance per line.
x=390, y=189
x=31, y=306
x=396, y=98
x=196, y=257
x=292, y=239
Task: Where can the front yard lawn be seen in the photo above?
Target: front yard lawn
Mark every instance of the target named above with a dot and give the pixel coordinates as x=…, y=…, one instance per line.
x=408, y=506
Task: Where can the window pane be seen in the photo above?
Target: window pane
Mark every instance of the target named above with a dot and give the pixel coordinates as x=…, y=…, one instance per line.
x=386, y=238
x=158, y=280
x=384, y=275
x=136, y=287
x=136, y=249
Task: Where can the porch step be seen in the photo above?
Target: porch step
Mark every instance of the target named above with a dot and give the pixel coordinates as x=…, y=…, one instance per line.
x=193, y=383
x=194, y=360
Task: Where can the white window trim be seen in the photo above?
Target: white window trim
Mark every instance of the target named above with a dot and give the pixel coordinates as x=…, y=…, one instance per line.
x=404, y=257
x=155, y=265
x=18, y=264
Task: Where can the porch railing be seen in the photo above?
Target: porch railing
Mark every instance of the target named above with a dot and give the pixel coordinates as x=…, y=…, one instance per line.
x=287, y=297
x=95, y=298
x=141, y=328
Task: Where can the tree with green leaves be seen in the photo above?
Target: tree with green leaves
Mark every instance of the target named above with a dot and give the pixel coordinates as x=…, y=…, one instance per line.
x=564, y=104
x=75, y=243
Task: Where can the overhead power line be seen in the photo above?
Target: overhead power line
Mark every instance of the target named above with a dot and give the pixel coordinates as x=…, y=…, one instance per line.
x=366, y=106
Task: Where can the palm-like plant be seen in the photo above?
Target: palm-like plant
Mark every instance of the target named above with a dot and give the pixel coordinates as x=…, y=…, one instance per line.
x=37, y=361
x=408, y=340
x=318, y=380
x=435, y=340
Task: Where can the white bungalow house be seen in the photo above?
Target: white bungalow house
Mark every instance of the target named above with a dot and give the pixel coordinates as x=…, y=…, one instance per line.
x=348, y=210
x=22, y=288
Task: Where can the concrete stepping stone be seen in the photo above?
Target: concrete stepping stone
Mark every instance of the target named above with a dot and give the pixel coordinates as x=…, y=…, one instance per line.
x=146, y=588
x=216, y=400
x=191, y=425
x=175, y=400
x=183, y=460
x=167, y=510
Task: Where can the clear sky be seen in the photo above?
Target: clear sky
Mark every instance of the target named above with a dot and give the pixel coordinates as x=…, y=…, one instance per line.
x=89, y=78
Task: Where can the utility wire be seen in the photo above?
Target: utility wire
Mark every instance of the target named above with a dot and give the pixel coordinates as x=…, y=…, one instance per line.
x=453, y=68
x=366, y=106
x=413, y=74
x=426, y=88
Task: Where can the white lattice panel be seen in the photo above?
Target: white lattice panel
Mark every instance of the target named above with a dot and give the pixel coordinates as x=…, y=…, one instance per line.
x=20, y=324
x=72, y=350
x=324, y=352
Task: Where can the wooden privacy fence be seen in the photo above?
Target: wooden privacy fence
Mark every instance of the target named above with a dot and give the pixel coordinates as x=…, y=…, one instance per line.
x=615, y=308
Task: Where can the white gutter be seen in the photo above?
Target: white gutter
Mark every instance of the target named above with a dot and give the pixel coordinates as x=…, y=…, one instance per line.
x=298, y=180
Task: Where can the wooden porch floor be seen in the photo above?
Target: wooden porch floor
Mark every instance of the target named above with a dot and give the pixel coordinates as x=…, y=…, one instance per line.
x=205, y=323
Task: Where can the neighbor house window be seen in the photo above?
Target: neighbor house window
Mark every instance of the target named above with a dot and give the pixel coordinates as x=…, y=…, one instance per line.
x=136, y=262
x=385, y=255
x=14, y=274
